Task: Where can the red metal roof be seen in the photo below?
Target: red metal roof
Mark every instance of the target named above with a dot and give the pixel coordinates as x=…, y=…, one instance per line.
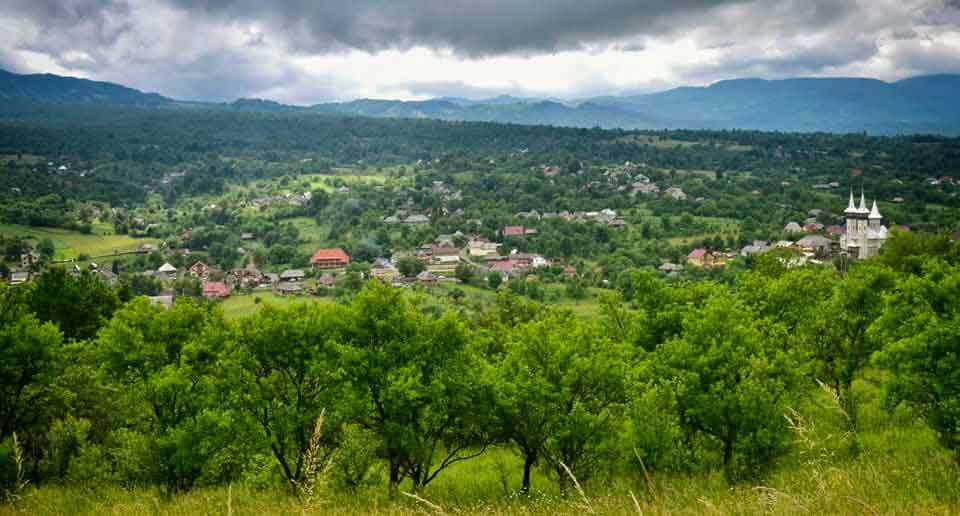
x=330, y=254
x=513, y=231
x=697, y=253
x=215, y=289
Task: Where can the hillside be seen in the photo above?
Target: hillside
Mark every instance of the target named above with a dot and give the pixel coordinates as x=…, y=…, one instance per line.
x=56, y=88
x=916, y=105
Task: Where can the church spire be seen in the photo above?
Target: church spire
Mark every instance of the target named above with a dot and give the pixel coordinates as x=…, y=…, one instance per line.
x=863, y=202
x=850, y=206
x=874, y=212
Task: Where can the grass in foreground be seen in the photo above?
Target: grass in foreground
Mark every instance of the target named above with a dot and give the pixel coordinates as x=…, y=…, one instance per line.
x=900, y=469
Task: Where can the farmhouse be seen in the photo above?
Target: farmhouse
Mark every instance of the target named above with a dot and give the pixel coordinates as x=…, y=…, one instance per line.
x=167, y=272
x=215, y=290
x=329, y=259
x=512, y=231
x=199, y=270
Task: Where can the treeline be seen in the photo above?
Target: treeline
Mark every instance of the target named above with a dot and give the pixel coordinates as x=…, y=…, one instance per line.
x=683, y=377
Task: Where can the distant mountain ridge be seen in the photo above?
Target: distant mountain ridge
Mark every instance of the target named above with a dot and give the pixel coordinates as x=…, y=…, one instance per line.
x=925, y=104
x=56, y=88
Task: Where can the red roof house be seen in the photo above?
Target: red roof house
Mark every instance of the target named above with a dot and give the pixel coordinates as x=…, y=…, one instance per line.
x=512, y=231
x=329, y=259
x=698, y=257
x=215, y=290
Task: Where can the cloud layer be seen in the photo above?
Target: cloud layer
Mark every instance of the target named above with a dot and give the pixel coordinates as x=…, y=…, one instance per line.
x=305, y=51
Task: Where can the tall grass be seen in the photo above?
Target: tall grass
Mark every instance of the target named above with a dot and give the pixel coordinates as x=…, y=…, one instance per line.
x=898, y=468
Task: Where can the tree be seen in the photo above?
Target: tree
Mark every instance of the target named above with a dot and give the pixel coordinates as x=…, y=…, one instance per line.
x=410, y=266
x=79, y=304
x=417, y=385
x=835, y=333
x=560, y=393
x=730, y=383
x=494, y=279
x=465, y=272
x=921, y=330
x=283, y=371
x=30, y=355
x=164, y=364
x=46, y=248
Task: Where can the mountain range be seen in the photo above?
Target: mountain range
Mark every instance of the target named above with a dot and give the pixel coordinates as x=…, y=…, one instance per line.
x=925, y=104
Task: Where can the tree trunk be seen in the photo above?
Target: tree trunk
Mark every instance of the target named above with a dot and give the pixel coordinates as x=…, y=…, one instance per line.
x=565, y=482
x=728, y=457
x=394, y=478
x=528, y=460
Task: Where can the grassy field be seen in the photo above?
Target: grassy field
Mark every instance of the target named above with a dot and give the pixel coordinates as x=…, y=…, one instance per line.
x=246, y=304
x=899, y=471
x=70, y=244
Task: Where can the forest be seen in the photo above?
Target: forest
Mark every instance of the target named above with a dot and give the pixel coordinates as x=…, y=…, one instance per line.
x=375, y=401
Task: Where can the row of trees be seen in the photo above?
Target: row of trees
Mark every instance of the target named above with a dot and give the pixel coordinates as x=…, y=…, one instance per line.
x=682, y=377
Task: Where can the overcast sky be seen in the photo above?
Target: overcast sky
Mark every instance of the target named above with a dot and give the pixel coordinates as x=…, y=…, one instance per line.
x=308, y=51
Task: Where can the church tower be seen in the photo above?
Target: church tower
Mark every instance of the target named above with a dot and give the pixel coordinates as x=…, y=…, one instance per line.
x=865, y=234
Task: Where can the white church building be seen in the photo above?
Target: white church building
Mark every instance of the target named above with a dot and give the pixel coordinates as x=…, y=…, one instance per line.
x=865, y=235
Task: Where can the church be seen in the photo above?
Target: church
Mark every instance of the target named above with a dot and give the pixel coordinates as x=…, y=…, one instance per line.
x=865, y=235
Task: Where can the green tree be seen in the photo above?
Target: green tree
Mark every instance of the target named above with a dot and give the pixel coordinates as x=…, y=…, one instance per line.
x=46, y=248
x=560, y=394
x=30, y=359
x=921, y=329
x=79, y=304
x=410, y=267
x=283, y=370
x=730, y=382
x=417, y=385
x=163, y=363
x=835, y=333
x=494, y=279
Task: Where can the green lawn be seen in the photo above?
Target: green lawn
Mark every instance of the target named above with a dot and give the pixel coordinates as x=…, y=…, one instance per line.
x=70, y=244
x=237, y=306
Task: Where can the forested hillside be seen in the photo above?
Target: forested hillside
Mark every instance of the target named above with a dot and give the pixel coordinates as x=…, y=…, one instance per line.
x=918, y=105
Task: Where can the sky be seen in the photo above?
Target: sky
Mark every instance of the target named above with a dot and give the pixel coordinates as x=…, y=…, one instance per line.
x=310, y=51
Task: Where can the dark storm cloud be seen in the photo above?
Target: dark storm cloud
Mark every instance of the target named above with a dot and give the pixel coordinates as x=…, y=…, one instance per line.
x=221, y=49
x=468, y=27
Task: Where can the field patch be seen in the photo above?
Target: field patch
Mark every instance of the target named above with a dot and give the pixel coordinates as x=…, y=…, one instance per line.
x=71, y=244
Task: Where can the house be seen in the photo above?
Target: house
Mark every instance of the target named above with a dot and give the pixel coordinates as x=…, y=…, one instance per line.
x=292, y=276
x=814, y=244
x=384, y=270
x=215, y=290
x=793, y=227
x=671, y=268
x=444, y=264
x=504, y=267
x=812, y=227
x=426, y=278
x=676, y=193
x=246, y=236
x=19, y=278
x=569, y=270
x=289, y=289
x=698, y=257
x=327, y=281
x=163, y=301
x=167, y=272
x=199, y=270
x=480, y=248
x=512, y=231
x=335, y=258
x=898, y=200
x=757, y=247
x=551, y=170
x=417, y=220
x=835, y=230
x=148, y=248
